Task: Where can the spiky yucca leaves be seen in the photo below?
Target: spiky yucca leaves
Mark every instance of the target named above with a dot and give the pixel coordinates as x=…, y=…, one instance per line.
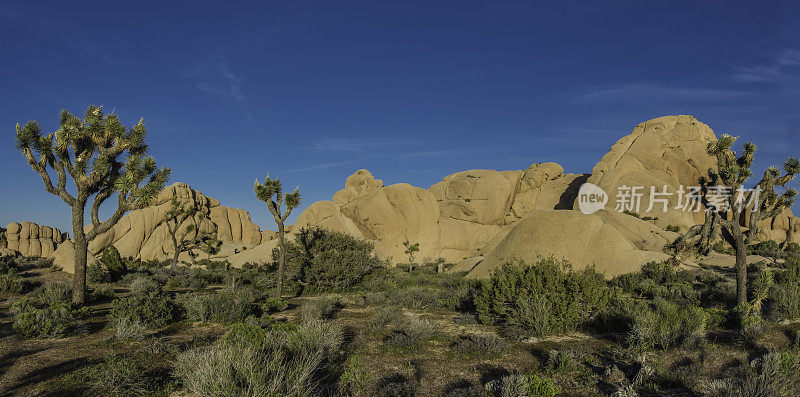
x=193, y=237
x=102, y=157
x=740, y=209
x=271, y=192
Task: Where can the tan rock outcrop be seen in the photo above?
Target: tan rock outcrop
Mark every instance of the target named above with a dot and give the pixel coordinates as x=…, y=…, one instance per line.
x=142, y=234
x=64, y=257
x=614, y=243
x=667, y=151
x=30, y=239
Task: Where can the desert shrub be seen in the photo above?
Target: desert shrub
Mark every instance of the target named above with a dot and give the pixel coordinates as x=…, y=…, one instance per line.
x=272, y=304
x=11, y=282
x=785, y=293
x=321, y=309
x=752, y=330
x=664, y=325
x=144, y=285
x=188, y=277
x=127, y=328
x=355, y=377
x=113, y=263
x=545, y=298
x=103, y=293
x=248, y=334
x=56, y=318
x=384, y=317
x=673, y=228
x=96, y=273
x=152, y=310
x=321, y=260
x=659, y=280
x=50, y=292
x=397, y=385
x=768, y=248
x=282, y=363
x=226, y=306
x=475, y=345
x=774, y=374
x=410, y=333
x=516, y=385
x=120, y=376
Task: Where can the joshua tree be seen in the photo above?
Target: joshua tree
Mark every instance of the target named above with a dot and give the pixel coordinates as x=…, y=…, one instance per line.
x=410, y=250
x=271, y=192
x=102, y=158
x=192, y=237
x=728, y=204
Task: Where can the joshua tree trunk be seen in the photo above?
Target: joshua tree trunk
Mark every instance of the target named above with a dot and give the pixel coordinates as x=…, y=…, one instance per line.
x=81, y=253
x=281, y=260
x=741, y=266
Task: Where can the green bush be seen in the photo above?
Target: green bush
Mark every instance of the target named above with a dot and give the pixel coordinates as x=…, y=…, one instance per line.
x=54, y=319
x=545, y=298
x=517, y=385
x=320, y=260
x=665, y=325
x=784, y=300
x=752, y=330
x=113, y=263
x=96, y=273
x=153, y=311
x=659, y=280
x=248, y=334
x=355, y=378
x=11, y=282
x=768, y=248
x=225, y=306
x=272, y=305
x=283, y=363
x=103, y=293
x=127, y=328
x=673, y=228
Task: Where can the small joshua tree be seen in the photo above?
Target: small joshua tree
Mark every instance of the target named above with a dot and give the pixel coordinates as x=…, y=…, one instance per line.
x=102, y=158
x=193, y=237
x=410, y=250
x=727, y=214
x=271, y=192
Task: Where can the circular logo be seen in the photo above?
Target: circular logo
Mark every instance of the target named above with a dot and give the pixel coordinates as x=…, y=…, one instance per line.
x=591, y=198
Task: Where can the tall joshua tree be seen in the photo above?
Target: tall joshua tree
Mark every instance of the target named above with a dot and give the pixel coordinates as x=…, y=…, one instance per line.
x=102, y=157
x=271, y=192
x=730, y=207
x=192, y=237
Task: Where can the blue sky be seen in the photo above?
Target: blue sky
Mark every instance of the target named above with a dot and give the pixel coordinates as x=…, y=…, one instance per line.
x=411, y=90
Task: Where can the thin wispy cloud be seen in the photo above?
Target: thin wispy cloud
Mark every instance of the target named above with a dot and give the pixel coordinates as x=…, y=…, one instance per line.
x=646, y=91
x=226, y=83
x=355, y=145
x=326, y=165
x=782, y=66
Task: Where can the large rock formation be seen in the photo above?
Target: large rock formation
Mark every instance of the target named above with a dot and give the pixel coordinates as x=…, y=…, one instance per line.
x=614, y=243
x=668, y=151
x=141, y=234
x=453, y=220
x=30, y=239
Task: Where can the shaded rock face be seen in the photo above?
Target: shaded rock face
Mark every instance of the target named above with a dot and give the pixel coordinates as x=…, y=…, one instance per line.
x=141, y=234
x=30, y=239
